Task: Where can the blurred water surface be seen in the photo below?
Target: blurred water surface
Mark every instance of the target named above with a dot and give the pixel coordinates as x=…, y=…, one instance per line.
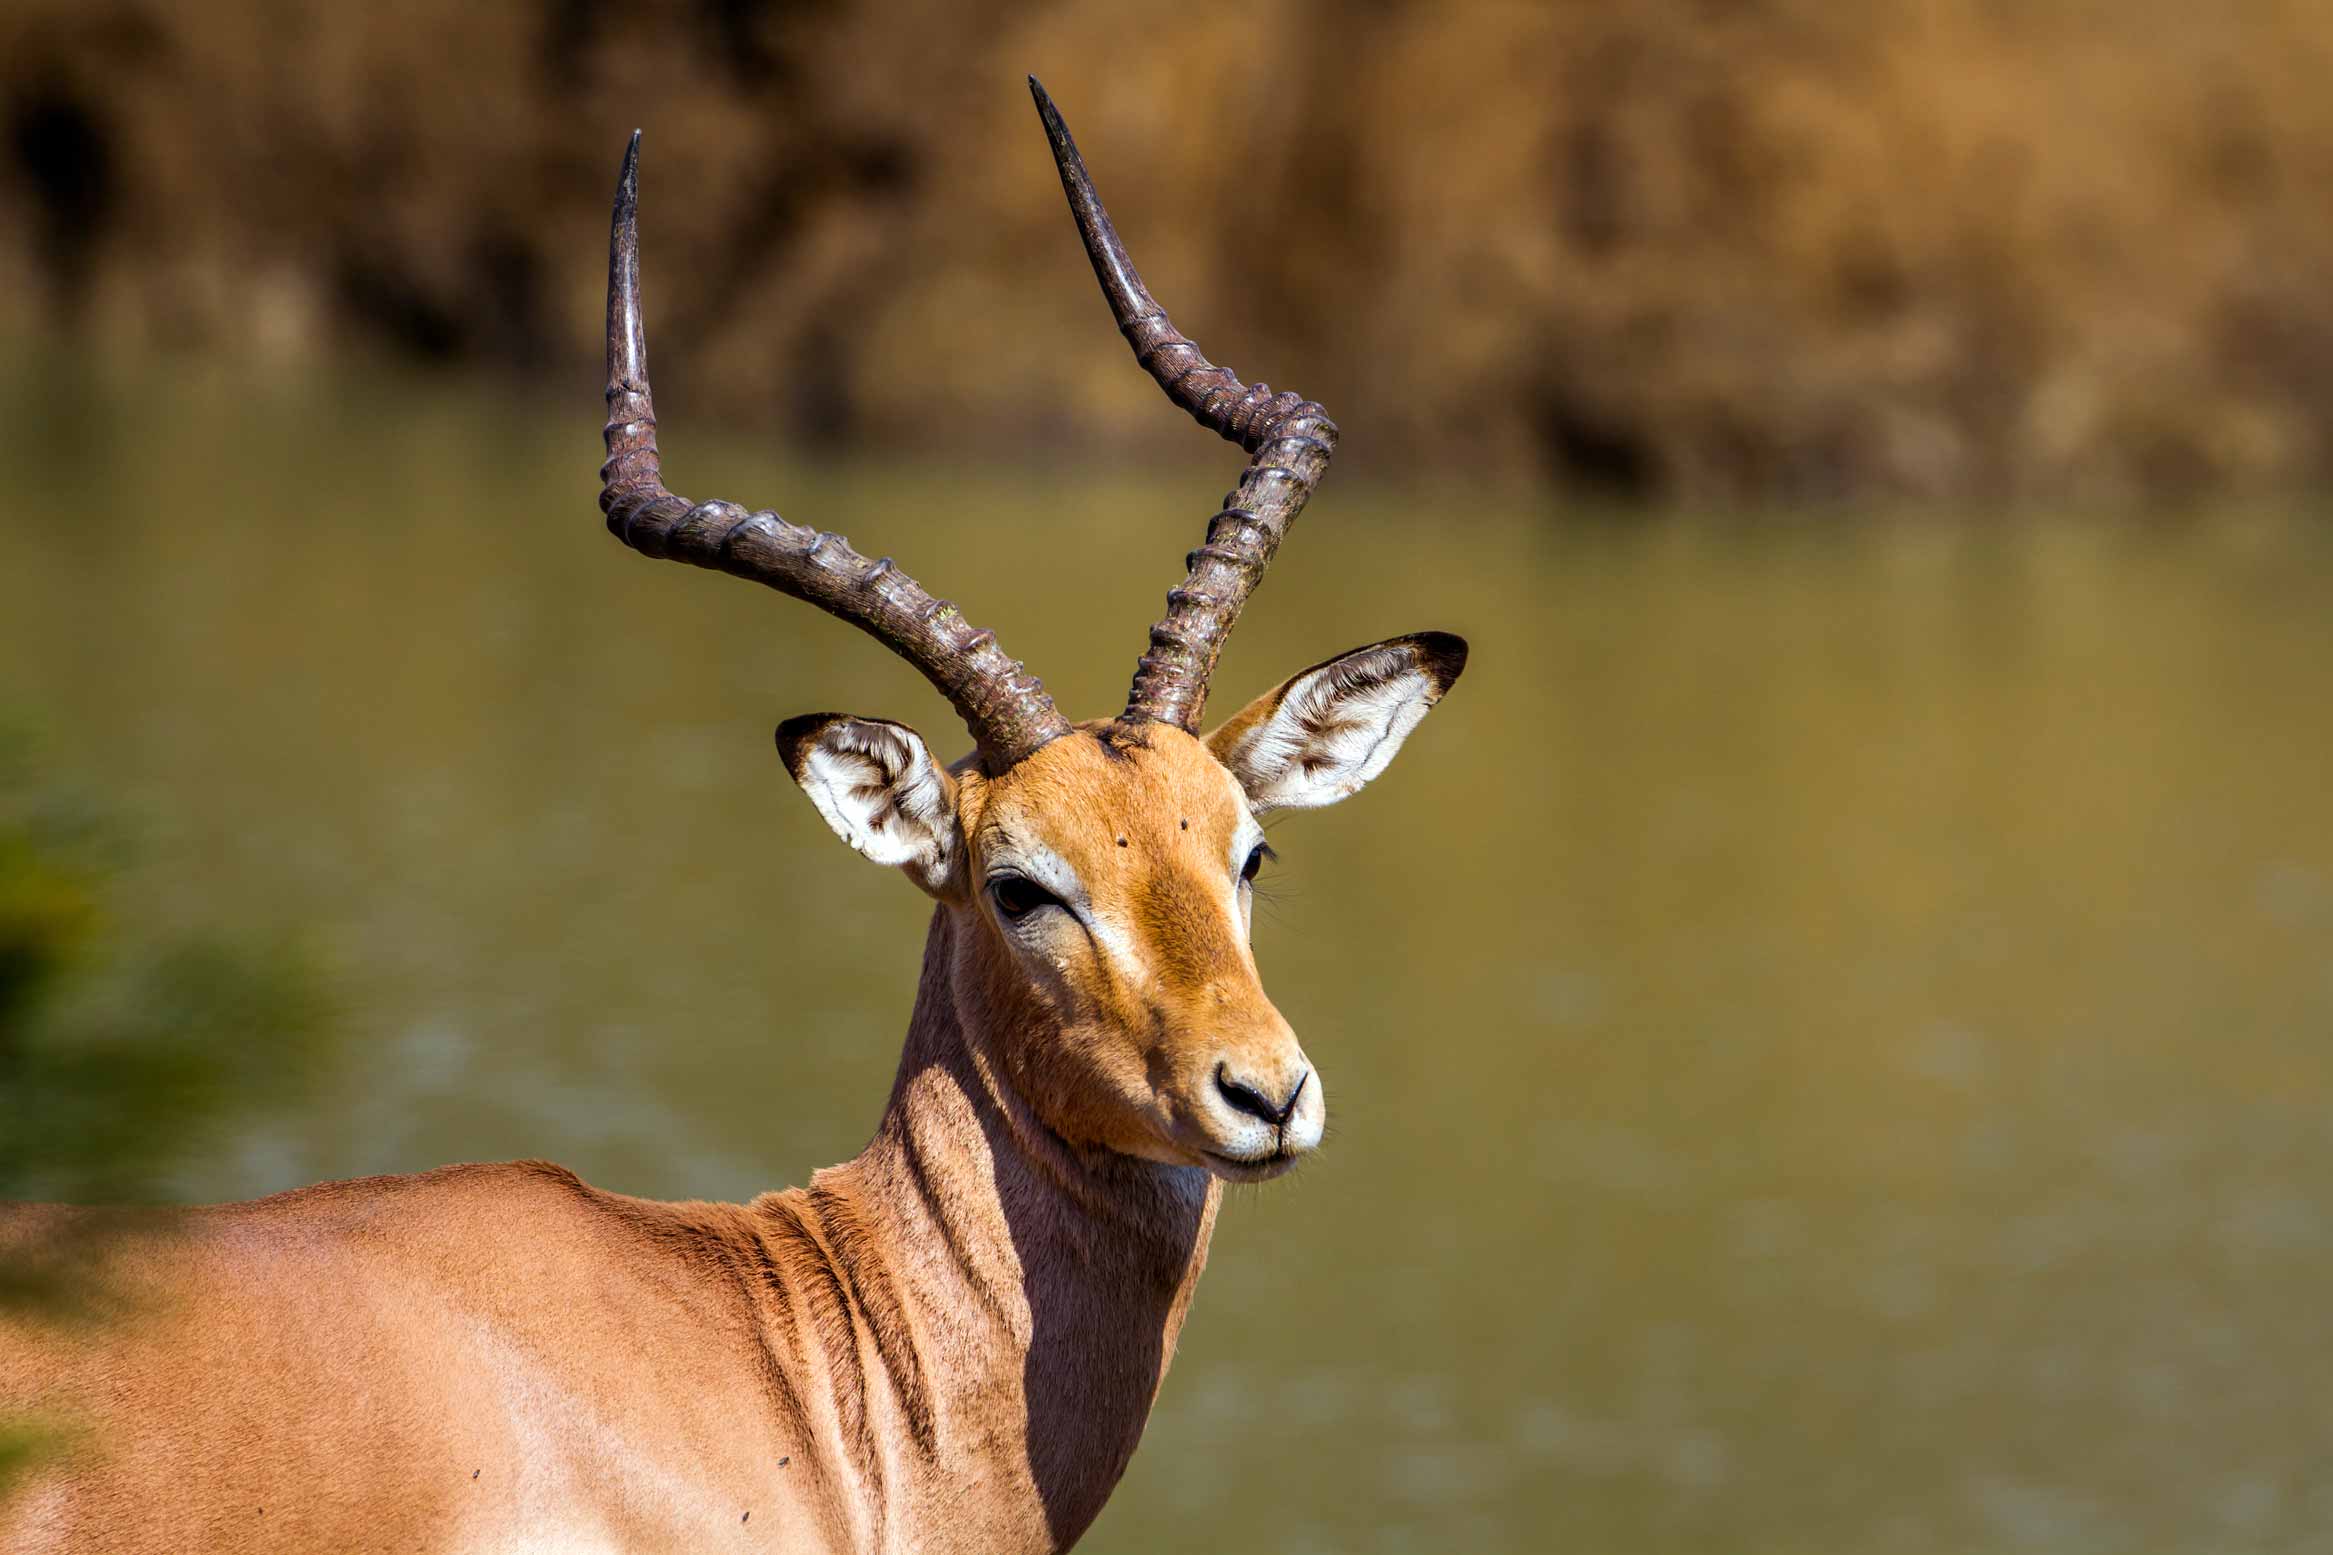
x=1829, y=1030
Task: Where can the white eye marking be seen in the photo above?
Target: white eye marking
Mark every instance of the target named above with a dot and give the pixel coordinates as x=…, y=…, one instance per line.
x=1050, y=870
x=1117, y=946
x=1246, y=837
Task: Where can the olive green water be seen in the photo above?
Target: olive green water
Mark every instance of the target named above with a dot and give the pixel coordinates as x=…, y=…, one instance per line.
x=1829, y=1030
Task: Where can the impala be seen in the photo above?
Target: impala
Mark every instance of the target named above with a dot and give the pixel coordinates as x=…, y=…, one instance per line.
x=950, y=1343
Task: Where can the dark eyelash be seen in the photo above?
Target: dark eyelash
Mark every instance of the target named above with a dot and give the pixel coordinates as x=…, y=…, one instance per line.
x=1272, y=891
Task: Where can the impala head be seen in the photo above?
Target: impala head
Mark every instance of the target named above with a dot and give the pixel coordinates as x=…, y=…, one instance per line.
x=1099, y=876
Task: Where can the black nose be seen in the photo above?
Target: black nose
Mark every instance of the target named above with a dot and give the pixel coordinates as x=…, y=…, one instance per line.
x=1246, y=1098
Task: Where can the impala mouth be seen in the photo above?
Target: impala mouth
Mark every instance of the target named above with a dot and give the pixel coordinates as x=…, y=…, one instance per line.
x=1257, y=1168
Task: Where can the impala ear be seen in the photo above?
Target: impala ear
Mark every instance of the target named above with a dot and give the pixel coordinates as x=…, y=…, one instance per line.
x=878, y=787
x=1325, y=732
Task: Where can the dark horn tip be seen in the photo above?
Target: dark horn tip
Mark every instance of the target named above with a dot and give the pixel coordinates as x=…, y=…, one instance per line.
x=628, y=180
x=1055, y=130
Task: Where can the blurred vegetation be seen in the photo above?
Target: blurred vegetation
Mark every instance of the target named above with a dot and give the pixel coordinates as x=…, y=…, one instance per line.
x=121, y=1055
x=1676, y=249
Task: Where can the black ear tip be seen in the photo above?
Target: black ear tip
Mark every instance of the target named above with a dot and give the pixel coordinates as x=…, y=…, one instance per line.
x=795, y=735
x=1445, y=656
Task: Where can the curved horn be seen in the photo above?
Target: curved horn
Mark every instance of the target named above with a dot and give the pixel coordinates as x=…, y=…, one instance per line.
x=1289, y=437
x=1005, y=707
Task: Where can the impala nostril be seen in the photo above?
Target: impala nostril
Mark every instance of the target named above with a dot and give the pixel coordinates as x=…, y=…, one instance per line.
x=1245, y=1098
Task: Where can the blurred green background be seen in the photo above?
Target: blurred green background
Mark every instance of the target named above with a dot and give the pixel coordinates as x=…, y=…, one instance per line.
x=1856, y=1072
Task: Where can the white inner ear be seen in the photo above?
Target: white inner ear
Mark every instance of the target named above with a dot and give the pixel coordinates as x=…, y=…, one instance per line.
x=880, y=790
x=1336, y=728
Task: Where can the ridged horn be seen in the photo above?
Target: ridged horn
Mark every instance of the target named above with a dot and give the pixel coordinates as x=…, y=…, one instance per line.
x=1289, y=438
x=1004, y=706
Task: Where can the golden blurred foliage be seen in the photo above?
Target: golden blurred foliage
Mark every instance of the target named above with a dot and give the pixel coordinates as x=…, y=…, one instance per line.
x=1964, y=250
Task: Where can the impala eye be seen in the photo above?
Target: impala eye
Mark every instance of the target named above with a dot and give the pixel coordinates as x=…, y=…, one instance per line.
x=1017, y=896
x=1247, y=873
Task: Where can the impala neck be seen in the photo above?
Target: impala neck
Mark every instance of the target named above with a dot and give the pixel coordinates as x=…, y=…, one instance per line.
x=1035, y=1289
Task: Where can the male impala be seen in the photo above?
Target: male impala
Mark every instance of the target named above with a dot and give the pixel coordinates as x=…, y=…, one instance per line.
x=948, y=1344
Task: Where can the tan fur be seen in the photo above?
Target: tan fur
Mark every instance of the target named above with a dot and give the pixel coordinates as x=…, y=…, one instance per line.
x=949, y=1343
